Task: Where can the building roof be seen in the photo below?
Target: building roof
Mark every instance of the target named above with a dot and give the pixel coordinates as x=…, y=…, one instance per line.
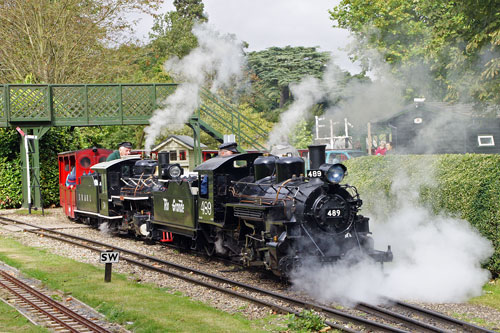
x=183, y=140
x=459, y=110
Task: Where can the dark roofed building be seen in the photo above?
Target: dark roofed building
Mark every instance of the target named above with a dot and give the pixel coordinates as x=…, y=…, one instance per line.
x=426, y=128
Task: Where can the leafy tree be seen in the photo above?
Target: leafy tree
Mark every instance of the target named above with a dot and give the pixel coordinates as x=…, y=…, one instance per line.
x=458, y=41
x=60, y=41
x=303, y=135
x=275, y=68
x=172, y=32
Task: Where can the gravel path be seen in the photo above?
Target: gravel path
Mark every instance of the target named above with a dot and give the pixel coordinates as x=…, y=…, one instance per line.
x=219, y=300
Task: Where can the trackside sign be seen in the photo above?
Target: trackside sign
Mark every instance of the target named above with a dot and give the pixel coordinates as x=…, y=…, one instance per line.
x=109, y=257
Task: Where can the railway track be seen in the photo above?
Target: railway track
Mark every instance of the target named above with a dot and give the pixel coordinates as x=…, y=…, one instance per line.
x=401, y=322
x=47, y=311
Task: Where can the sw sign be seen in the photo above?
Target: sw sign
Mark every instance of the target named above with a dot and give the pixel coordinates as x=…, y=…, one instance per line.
x=109, y=257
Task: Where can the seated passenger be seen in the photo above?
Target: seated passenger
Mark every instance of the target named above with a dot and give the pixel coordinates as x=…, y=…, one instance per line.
x=71, y=178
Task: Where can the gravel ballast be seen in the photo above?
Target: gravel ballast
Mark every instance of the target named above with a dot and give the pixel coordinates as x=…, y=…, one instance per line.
x=56, y=218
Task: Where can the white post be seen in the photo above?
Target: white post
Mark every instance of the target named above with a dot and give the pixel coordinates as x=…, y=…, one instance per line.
x=28, y=174
x=369, y=137
x=331, y=133
x=316, y=118
x=28, y=180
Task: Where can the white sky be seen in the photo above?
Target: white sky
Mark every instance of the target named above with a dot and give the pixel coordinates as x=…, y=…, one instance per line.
x=266, y=23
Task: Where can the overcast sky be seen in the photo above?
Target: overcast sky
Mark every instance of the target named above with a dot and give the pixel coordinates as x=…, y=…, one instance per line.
x=266, y=23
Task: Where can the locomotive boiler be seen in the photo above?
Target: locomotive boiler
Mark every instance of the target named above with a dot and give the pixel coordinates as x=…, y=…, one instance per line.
x=256, y=209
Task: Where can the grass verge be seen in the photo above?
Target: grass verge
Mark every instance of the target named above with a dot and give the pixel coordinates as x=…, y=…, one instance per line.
x=12, y=321
x=139, y=307
x=491, y=295
x=33, y=212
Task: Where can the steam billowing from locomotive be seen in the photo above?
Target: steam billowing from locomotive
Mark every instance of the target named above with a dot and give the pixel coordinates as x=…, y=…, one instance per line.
x=217, y=62
x=438, y=257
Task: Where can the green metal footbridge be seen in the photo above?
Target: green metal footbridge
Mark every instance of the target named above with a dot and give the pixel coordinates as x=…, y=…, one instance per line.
x=36, y=108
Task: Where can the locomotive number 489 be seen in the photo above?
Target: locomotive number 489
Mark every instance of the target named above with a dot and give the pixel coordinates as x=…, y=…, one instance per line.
x=334, y=213
x=315, y=174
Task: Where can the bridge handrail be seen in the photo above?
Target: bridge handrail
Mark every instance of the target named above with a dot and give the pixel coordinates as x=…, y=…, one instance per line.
x=242, y=134
x=229, y=108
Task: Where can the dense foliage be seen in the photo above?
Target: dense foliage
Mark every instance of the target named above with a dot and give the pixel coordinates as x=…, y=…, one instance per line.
x=306, y=321
x=277, y=67
x=452, y=46
x=466, y=186
x=61, y=41
x=54, y=141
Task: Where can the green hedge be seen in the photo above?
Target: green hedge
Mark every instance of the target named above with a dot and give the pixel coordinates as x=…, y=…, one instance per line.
x=10, y=183
x=465, y=186
x=54, y=141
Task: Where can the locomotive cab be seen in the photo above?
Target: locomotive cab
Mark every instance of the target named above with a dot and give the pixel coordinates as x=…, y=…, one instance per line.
x=110, y=176
x=215, y=177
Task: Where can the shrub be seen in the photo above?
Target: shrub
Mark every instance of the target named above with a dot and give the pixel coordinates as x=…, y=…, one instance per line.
x=10, y=183
x=54, y=141
x=307, y=321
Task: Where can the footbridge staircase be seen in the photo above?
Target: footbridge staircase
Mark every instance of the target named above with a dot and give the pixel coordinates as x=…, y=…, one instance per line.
x=35, y=108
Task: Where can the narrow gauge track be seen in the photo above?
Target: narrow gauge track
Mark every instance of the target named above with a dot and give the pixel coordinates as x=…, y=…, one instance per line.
x=53, y=314
x=381, y=312
x=419, y=311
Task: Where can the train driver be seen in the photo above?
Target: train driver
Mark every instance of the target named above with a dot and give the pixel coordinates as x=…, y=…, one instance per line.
x=228, y=148
x=124, y=149
x=225, y=149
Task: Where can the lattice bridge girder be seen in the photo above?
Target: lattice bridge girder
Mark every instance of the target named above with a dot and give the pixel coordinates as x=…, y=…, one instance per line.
x=81, y=104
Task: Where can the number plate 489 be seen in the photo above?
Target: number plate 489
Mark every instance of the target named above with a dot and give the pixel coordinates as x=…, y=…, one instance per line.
x=314, y=173
x=334, y=213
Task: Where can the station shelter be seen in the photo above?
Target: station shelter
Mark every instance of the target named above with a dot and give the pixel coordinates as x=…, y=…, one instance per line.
x=181, y=150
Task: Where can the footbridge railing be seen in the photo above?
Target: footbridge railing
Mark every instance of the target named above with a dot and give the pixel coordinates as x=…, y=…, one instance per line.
x=36, y=108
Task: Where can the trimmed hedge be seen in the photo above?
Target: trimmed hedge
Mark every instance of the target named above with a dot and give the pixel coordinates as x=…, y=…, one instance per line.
x=54, y=141
x=10, y=183
x=465, y=186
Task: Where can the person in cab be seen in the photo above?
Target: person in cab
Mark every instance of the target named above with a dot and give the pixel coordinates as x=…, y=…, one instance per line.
x=124, y=149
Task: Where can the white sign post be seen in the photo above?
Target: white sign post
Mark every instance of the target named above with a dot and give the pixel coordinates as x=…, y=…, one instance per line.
x=109, y=258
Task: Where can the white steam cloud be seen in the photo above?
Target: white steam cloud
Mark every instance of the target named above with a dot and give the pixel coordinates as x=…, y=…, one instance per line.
x=217, y=62
x=359, y=101
x=307, y=93
x=437, y=258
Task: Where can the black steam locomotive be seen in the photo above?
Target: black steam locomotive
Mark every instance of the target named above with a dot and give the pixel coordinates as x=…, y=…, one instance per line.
x=257, y=209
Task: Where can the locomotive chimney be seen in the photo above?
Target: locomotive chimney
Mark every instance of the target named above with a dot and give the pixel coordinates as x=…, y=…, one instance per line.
x=163, y=159
x=316, y=156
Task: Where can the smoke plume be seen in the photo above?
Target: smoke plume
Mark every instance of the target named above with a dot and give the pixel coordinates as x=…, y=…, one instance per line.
x=306, y=93
x=217, y=62
x=437, y=258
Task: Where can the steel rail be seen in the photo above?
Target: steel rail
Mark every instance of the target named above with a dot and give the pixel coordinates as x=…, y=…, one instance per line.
x=419, y=310
x=163, y=271
x=370, y=309
x=70, y=314
x=391, y=315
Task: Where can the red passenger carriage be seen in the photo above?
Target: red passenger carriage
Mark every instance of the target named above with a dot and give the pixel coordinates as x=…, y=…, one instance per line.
x=80, y=161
